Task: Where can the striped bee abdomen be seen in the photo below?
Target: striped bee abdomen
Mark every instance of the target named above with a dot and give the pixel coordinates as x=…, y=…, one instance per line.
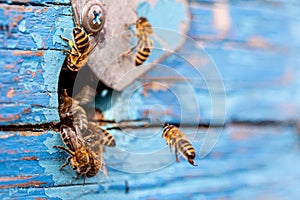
x=95, y=167
x=142, y=55
x=186, y=149
x=81, y=39
x=107, y=139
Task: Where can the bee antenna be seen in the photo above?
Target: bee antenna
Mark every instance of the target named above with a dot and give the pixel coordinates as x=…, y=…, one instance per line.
x=77, y=21
x=135, y=12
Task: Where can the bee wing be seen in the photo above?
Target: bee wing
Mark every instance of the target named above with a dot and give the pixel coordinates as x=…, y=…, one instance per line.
x=149, y=43
x=163, y=43
x=103, y=170
x=85, y=95
x=95, y=40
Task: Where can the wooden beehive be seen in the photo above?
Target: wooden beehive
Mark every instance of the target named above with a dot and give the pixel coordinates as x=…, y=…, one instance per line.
x=254, y=48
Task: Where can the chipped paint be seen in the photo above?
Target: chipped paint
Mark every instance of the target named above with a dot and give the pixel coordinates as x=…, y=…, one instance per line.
x=29, y=133
x=29, y=158
x=22, y=26
x=9, y=117
x=26, y=110
x=26, y=184
x=10, y=93
x=7, y=135
x=9, y=66
x=38, y=40
x=7, y=179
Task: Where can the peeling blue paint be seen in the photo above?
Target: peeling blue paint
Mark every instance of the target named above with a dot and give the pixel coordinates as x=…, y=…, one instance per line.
x=22, y=26
x=37, y=40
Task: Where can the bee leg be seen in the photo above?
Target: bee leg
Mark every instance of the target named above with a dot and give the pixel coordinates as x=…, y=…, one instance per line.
x=65, y=149
x=170, y=148
x=84, y=179
x=78, y=174
x=126, y=53
x=67, y=40
x=192, y=162
x=128, y=25
x=66, y=51
x=66, y=163
x=176, y=154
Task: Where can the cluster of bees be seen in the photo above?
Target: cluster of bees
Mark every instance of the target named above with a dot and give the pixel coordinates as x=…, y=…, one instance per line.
x=83, y=138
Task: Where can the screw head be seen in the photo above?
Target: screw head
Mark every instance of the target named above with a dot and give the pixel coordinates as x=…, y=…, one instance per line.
x=93, y=17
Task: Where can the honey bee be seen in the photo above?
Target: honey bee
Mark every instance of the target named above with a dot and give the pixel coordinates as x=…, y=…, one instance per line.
x=143, y=31
x=94, y=137
x=176, y=138
x=80, y=46
x=71, y=113
x=79, y=155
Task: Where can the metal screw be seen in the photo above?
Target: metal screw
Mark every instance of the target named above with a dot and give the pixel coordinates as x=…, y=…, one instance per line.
x=93, y=17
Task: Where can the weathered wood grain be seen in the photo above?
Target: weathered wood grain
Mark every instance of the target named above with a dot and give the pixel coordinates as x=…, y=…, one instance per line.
x=30, y=170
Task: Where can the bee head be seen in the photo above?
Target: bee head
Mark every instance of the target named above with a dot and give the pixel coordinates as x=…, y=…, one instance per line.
x=141, y=22
x=77, y=30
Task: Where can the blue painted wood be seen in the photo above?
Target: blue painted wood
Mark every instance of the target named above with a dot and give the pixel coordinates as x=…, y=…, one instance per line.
x=31, y=48
x=247, y=162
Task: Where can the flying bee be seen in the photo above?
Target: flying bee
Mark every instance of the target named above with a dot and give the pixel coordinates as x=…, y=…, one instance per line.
x=143, y=31
x=79, y=155
x=80, y=46
x=174, y=137
x=94, y=137
x=71, y=113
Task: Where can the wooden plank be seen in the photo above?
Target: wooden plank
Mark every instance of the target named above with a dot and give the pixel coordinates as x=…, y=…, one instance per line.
x=29, y=166
x=31, y=47
x=260, y=89
x=29, y=86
